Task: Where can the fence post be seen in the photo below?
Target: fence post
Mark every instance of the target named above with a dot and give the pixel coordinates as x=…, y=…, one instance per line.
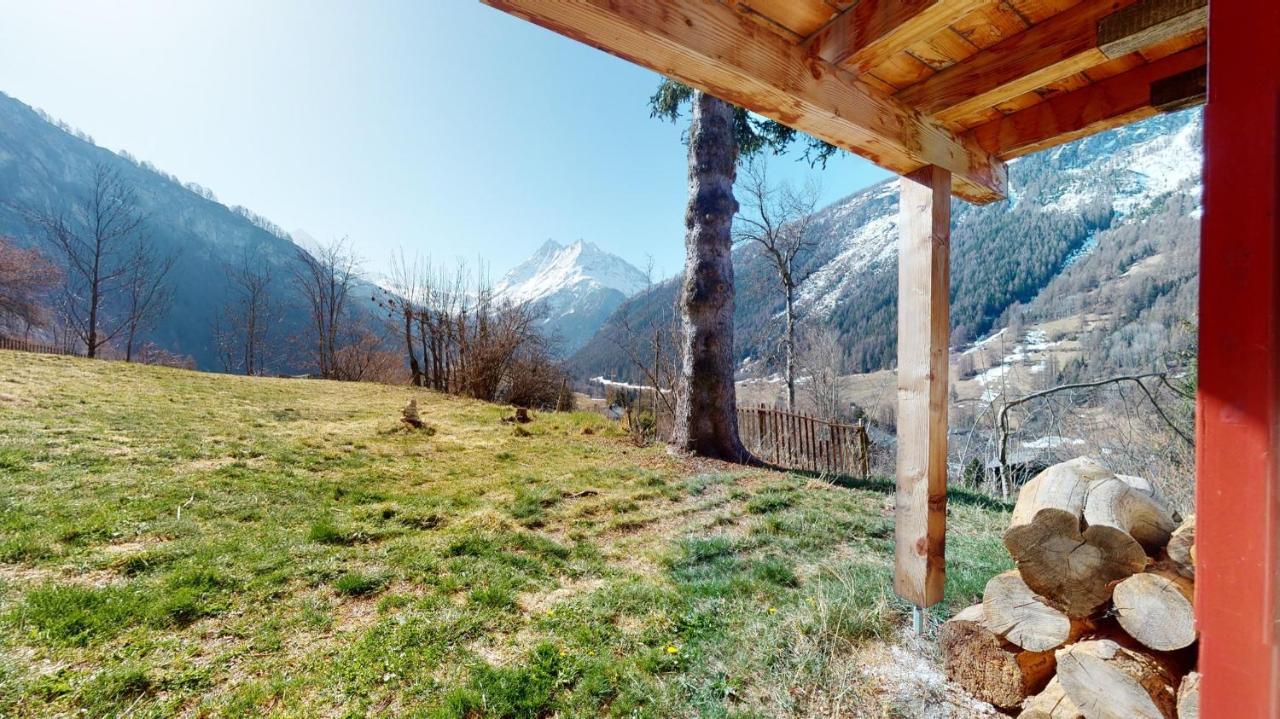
x=864, y=449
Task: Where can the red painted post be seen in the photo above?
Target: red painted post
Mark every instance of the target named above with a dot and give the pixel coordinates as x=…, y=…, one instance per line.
x=1238, y=413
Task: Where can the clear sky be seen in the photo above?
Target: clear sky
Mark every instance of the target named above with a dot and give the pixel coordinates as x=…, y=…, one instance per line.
x=441, y=126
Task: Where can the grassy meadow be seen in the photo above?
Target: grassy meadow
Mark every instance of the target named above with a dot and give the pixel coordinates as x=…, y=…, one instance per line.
x=183, y=544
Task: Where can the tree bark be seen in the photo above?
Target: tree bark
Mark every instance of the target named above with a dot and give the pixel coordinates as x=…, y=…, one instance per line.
x=986, y=665
x=1181, y=549
x=706, y=412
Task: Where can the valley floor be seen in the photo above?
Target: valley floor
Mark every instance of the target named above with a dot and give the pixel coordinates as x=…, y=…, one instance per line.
x=184, y=544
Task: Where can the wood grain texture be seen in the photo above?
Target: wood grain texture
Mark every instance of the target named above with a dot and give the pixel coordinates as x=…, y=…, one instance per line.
x=1063, y=45
x=715, y=49
x=1148, y=22
x=872, y=31
x=1101, y=106
x=924, y=281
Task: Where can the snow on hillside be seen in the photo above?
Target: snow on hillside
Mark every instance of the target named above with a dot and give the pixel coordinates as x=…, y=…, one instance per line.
x=1135, y=175
x=555, y=268
x=577, y=287
x=1130, y=168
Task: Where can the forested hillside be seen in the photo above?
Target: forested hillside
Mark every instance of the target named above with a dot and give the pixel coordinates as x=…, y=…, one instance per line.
x=1106, y=226
x=47, y=167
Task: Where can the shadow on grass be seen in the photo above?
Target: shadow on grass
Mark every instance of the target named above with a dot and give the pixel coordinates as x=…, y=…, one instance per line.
x=883, y=485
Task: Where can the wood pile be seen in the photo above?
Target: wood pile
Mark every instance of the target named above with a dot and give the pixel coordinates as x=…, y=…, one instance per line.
x=1097, y=620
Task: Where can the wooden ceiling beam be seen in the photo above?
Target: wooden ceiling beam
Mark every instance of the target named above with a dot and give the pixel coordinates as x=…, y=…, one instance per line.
x=711, y=47
x=1063, y=45
x=1149, y=22
x=1147, y=90
x=872, y=31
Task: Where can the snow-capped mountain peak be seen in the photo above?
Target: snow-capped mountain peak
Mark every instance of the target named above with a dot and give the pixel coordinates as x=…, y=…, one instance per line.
x=577, y=285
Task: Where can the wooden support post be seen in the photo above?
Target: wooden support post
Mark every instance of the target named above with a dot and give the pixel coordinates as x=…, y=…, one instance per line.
x=924, y=282
x=1238, y=410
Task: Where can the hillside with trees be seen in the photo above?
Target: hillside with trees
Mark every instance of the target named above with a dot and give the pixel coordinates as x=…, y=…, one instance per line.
x=1086, y=224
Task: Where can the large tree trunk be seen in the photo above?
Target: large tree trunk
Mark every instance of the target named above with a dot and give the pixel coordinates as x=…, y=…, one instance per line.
x=706, y=407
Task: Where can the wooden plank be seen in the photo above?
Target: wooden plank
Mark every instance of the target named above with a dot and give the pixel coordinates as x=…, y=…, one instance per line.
x=924, y=281
x=1188, y=89
x=1063, y=45
x=990, y=25
x=1149, y=22
x=1040, y=10
x=872, y=31
x=801, y=17
x=713, y=48
x=1110, y=103
x=1238, y=409
x=943, y=50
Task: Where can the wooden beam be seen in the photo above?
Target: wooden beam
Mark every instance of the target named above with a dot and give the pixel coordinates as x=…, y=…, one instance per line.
x=1115, y=101
x=872, y=31
x=924, y=333
x=1149, y=22
x=1238, y=409
x=711, y=47
x=1062, y=46
x=1179, y=92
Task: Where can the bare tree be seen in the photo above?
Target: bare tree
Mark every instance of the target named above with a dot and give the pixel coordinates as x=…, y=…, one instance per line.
x=27, y=279
x=324, y=275
x=243, y=328
x=777, y=220
x=147, y=294
x=406, y=307
x=823, y=359
x=96, y=241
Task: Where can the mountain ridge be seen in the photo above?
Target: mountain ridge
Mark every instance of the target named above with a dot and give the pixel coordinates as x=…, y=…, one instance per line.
x=576, y=286
x=1100, y=196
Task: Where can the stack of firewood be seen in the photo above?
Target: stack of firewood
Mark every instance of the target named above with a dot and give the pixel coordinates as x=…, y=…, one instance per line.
x=1097, y=620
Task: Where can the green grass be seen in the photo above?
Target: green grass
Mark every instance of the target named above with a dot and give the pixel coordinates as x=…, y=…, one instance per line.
x=174, y=543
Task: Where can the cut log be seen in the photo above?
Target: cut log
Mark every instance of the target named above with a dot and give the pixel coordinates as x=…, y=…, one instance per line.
x=1108, y=681
x=1063, y=486
x=1020, y=616
x=1116, y=504
x=1146, y=486
x=1155, y=608
x=1071, y=568
x=1189, y=697
x=1181, y=549
x=1052, y=703
x=987, y=666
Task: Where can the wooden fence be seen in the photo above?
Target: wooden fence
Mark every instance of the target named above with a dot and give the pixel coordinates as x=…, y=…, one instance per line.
x=797, y=441
x=8, y=343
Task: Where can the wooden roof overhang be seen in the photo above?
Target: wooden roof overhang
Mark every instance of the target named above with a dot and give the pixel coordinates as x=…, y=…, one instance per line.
x=961, y=84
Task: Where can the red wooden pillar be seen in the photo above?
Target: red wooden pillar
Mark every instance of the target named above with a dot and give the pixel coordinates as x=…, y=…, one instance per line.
x=1238, y=466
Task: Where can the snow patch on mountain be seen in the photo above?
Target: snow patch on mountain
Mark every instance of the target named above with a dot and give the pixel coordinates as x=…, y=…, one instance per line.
x=555, y=268
x=576, y=286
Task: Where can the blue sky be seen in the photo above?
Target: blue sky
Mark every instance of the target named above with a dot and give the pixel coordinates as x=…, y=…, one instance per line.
x=441, y=126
